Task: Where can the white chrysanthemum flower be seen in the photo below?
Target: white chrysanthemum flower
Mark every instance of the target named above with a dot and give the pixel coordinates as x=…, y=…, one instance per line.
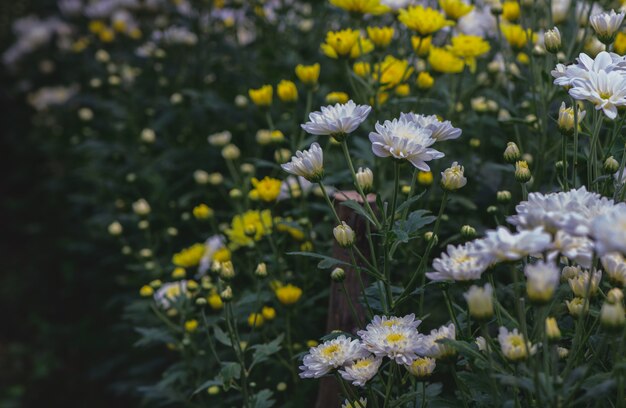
x=338, y=120
x=609, y=230
x=606, y=91
x=441, y=130
x=513, y=345
x=581, y=285
x=361, y=403
x=606, y=25
x=615, y=267
x=501, y=245
x=570, y=211
x=211, y=245
x=404, y=321
x=294, y=187
x=169, y=293
x=403, y=139
x=435, y=349
x=453, y=178
x=542, y=279
x=577, y=248
x=478, y=22
x=307, y=163
x=604, y=61
x=458, y=263
x=396, y=4
x=361, y=371
x=399, y=342
x=422, y=367
x=330, y=355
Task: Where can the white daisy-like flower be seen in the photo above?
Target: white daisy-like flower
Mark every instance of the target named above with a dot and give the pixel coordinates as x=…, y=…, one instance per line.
x=399, y=342
x=169, y=293
x=404, y=140
x=396, y=4
x=606, y=91
x=570, y=211
x=294, y=187
x=501, y=245
x=330, y=355
x=458, y=263
x=577, y=248
x=435, y=349
x=361, y=370
x=542, y=279
x=478, y=22
x=513, y=345
x=604, y=61
x=422, y=367
x=307, y=163
x=615, y=267
x=441, y=130
x=404, y=321
x=580, y=284
x=338, y=120
x=211, y=245
x=606, y=25
x=609, y=230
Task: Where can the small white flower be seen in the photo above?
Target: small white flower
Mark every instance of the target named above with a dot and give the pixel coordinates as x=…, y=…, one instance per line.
x=307, y=163
x=211, y=245
x=294, y=187
x=570, y=211
x=441, y=130
x=481, y=343
x=141, y=207
x=609, y=231
x=361, y=371
x=513, y=345
x=501, y=245
x=577, y=248
x=615, y=267
x=404, y=140
x=606, y=91
x=542, y=280
x=169, y=293
x=480, y=301
x=604, y=61
x=338, y=120
x=396, y=4
x=581, y=286
x=606, y=25
x=400, y=342
x=435, y=349
x=330, y=355
x=422, y=367
x=460, y=263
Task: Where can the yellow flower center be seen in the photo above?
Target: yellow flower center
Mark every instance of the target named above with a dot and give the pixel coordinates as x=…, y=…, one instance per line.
x=362, y=364
x=395, y=337
x=330, y=350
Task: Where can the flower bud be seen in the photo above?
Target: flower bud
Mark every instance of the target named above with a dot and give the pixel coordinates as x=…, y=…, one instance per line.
x=227, y=270
x=559, y=165
x=452, y=178
x=503, y=196
x=575, y=307
x=612, y=316
x=511, y=153
x=365, y=179
x=220, y=139
x=492, y=209
x=287, y=91
x=201, y=301
x=148, y=136
x=115, y=228
x=552, y=329
x=424, y=81
x=496, y=8
x=216, y=178
x=467, y=231
x=344, y=235
x=565, y=122
x=227, y=294
x=261, y=270
x=552, y=40
x=424, y=178
x=201, y=177
x=480, y=301
x=615, y=295
x=141, y=207
x=231, y=152
x=562, y=352
x=610, y=166
x=522, y=172
x=338, y=275
x=422, y=367
x=430, y=236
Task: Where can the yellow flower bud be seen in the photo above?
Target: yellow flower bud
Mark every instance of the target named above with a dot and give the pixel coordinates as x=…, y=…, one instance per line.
x=255, y=320
x=308, y=74
x=425, y=178
x=380, y=36
x=287, y=91
x=262, y=96
x=191, y=325
x=425, y=81
x=146, y=291
x=480, y=301
x=344, y=235
x=552, y=329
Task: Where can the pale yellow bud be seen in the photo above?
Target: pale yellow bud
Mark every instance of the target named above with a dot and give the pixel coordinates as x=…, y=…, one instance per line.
x=480, y=301
x=344, y=234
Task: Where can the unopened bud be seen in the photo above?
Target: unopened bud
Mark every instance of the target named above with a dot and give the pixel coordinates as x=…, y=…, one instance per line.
x=338, y=275
x=261, y=270
x=511, y=153
x=344, y=234
x=227, y=271
x=430, y=236
x=365, y=179
x=503, y=196
x=612, y=316
x=522, y=172
x=615, y=295
x=552, y=40
x=552, y=329
x=611, y=165
x=492, y=209
x=467, y=231
x=480, y=301
x=227, y=294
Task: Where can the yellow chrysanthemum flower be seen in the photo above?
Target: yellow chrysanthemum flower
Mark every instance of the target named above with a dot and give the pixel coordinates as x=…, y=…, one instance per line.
x=287, y=91
x=362, y=69
x=361, y=6
x=421, y=45
x=202, y=212
x=517, y=37
x=424, y=20
x=222, y=255
x=380, y=36
x=267, y=189
x=262, y=96
x=255, y=320
x=269, y=313
x=455, y=9
x=444, y=61
x=191, y=325
x=340, y=43
x=510, y=10
x=189, y=257
x=425, y=81
x=288, y=294
x=215, y=301
x=288, y=227
x=619, y=46
x=337, y=97
x=308, y=74
x=146, y=291
x=249, y=227
x=391, y=72
x=468, y=47
x=403, y=90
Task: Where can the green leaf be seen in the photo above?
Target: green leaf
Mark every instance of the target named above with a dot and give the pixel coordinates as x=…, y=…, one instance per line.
x=205, y=385
x=359, y=209
x=263, y=399
x=466, y=349
x=230, y=371
x=263, y=351
x=326, y=261
x=410, y=201
x=151, y=335
x=222, y=337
